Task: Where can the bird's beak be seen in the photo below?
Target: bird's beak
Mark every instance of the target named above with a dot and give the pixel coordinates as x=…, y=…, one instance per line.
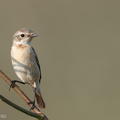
x=34, y=35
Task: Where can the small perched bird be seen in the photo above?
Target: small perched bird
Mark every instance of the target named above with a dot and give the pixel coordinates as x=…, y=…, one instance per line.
x=25, y=62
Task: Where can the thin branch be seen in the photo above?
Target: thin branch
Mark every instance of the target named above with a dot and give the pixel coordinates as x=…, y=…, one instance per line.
x=20, y=108
x=22, y=95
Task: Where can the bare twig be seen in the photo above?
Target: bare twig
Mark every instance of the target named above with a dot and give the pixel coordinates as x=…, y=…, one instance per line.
x=22, y=95
x=20, y=108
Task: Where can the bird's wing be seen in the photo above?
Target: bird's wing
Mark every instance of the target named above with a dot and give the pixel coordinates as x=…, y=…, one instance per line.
x=37, y=61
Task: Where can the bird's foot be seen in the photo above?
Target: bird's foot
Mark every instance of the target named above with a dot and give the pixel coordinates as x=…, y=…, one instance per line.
x=13, y=83
x=33, y=104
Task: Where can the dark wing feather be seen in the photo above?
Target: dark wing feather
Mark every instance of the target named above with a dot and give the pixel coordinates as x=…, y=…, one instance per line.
x=37, y=61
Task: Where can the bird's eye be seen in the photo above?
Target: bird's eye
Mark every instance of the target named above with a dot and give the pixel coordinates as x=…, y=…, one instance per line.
x=22, y=35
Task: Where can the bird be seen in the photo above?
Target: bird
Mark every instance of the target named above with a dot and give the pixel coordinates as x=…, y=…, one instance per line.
x=26, y=64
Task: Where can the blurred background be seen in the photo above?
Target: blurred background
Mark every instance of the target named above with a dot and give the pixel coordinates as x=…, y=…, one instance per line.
x=79, y=51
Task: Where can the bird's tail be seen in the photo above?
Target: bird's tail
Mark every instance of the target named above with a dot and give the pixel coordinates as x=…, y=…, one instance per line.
x=39, y=98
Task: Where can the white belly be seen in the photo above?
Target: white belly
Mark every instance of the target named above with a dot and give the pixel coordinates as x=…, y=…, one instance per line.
x=25, y=65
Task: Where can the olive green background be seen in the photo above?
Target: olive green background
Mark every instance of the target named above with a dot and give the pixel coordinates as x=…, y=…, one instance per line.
x=79, y=51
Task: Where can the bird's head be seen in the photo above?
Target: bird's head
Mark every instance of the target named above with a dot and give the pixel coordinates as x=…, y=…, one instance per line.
x=23, y=36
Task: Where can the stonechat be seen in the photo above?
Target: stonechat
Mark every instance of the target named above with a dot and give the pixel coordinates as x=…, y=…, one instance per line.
x=25, y=62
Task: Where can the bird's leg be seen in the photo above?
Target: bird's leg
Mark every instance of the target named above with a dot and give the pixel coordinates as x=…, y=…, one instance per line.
x=13, y=83
x=33, y=102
